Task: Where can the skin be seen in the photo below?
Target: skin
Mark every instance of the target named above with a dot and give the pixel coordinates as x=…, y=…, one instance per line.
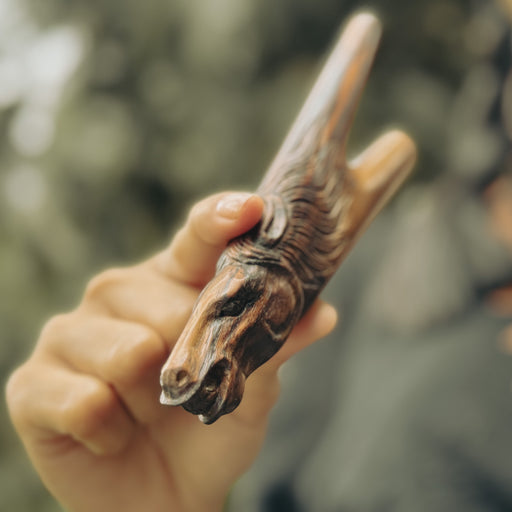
x=85, y=403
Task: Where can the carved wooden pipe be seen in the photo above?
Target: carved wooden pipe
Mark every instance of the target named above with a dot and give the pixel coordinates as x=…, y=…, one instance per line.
x=316, y=205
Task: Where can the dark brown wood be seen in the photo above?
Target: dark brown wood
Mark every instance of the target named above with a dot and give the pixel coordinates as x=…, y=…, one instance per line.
x=316, y=205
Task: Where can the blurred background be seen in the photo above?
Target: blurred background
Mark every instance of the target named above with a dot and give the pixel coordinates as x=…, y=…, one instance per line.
x=116, y=115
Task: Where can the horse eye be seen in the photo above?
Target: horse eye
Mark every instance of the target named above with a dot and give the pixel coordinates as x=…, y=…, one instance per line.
x=232, y=308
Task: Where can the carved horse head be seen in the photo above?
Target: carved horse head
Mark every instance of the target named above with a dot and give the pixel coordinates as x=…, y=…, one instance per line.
x=241, y=319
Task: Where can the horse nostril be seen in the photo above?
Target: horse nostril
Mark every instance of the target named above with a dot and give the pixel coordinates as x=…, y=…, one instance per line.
x=215, y=376
x=175, y=380
x=178, y=385
x=182, y=378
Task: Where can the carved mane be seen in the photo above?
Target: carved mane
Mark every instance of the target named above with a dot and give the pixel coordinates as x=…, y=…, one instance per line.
x=302, y=229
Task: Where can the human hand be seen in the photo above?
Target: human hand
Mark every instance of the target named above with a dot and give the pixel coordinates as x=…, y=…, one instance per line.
x=86, y=402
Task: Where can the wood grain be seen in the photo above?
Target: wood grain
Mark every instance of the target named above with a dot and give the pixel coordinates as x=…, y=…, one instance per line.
x=316, y=206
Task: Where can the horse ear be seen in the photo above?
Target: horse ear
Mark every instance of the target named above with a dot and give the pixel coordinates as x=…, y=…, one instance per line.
x=274, y=222
x=283, y=307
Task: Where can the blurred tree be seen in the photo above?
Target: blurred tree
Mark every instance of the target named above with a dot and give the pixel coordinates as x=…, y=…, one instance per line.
x=115, y=115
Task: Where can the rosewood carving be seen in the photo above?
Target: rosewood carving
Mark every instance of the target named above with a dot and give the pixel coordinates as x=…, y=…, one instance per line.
x=316, y=205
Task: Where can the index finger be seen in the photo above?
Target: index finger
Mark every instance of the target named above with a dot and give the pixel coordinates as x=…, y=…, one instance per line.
x=212, y=223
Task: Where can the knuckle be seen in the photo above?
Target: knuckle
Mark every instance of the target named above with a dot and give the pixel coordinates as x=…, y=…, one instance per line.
x=98, y=285
x=135, y=357
x=172, y=322
x=85, y=417
x=198, y=210
x=201, y=223
x=54, y=328
x=16, y=393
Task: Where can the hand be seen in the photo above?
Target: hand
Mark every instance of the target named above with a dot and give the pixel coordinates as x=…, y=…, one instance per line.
x=86, y=403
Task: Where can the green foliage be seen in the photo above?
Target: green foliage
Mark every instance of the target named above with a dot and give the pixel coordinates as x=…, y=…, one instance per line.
x=116, y=115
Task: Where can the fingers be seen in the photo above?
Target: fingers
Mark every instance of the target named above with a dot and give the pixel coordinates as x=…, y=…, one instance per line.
x=142, y=295
x=125, y=355
x=107, y=353
x=46, y=399
x=212, y=223
x=158, y=293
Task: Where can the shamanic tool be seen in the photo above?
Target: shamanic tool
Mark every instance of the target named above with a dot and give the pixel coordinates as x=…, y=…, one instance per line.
x=316, y=206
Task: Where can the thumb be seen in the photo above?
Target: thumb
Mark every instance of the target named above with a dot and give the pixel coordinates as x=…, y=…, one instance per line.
x=212, y=223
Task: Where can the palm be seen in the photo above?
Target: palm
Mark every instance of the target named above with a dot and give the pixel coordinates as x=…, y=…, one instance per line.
x=175, y=456
x=96, y=432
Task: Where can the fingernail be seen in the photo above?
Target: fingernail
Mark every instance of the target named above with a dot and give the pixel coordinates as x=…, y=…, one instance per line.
x=330, y=316
x=230, y=206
